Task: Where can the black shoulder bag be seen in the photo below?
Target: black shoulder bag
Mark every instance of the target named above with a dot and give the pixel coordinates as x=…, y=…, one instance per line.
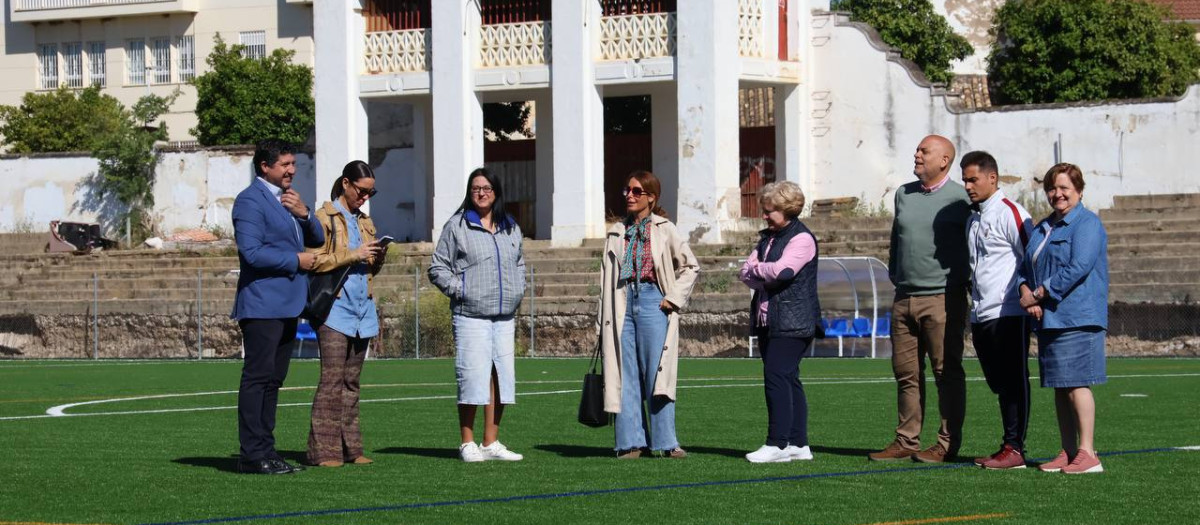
x=591, y=405
x=324, y=287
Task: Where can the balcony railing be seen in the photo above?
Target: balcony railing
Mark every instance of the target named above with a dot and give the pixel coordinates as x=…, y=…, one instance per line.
x=509, y=45
x=397, y=51
x=38, y=5
x=632, y=37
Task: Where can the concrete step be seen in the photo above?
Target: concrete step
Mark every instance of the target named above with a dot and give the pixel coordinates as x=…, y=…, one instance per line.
x=1155, y=277
x=1162, y=201
x=1154, y=250
x=1129, y=264
x=1154, y=237
x=1116, y=227
x=23, y=243
x=1124, y=214
x=1162, y=293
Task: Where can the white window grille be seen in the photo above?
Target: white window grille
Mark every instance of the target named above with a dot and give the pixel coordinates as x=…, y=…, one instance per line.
x=97, y=67
x=161, y=48
x=255, y=43
x=48, y=65
x=73, y=64
x=187, y=58
x=135, y=62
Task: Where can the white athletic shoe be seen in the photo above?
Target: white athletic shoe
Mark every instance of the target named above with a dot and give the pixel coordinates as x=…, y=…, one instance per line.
x=470, y=452
x=799, y=453
x=498, y=451
x=769, y=454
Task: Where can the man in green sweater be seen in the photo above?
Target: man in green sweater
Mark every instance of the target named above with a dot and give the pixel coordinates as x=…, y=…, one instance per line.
x=930, y=270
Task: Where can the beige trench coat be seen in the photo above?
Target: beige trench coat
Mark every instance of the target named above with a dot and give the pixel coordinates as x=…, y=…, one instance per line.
x=675, y=269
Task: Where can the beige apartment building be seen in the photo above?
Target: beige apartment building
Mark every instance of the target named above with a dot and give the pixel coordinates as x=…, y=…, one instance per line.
x=134, y=47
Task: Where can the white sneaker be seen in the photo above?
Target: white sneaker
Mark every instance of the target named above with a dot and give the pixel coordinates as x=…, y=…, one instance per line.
x=498, y=451
x=798, y=453
x=470, y=452
x=769, y=454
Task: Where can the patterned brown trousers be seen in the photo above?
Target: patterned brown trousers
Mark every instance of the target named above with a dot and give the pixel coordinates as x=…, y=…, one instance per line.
x=334, y=434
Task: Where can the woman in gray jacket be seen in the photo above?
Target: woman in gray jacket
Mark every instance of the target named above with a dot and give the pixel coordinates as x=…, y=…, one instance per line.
x=480, y=266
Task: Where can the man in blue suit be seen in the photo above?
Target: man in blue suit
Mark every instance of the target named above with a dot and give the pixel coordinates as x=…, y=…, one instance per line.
x=272, y=226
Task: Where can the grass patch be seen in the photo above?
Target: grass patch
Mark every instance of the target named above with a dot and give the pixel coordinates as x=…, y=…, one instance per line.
x=175, y=466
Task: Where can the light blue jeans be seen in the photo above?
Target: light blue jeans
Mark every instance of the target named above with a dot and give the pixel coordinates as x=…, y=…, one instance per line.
x=642, y=339
x=482, y=343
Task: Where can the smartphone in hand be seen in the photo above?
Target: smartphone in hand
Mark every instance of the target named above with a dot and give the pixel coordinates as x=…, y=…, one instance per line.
x=385, y=240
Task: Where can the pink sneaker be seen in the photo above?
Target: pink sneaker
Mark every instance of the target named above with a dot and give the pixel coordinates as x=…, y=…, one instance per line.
x=1084, y=463
x=1056, y=464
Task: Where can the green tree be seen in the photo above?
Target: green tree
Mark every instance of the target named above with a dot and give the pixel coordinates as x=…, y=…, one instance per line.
x=1072, y=50
x=127, y=159
x=502, y=119
x=242, y=100
x=913, y=27
x=60, y=120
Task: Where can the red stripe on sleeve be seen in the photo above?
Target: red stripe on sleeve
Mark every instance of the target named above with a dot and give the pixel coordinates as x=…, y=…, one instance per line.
x=1020, y=223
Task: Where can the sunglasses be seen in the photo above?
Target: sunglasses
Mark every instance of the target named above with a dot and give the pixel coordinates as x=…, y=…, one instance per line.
x=636, y=192
x=363, y=191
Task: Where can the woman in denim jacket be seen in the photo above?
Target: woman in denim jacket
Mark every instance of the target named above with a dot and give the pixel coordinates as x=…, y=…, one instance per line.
x=1065, y=288
x=479, y=264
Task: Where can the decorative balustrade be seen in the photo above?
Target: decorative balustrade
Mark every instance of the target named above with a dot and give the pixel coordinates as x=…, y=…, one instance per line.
x=38, y=5
x=632, y=37
x=750, y=28
x=397, y=51
x=509, y=45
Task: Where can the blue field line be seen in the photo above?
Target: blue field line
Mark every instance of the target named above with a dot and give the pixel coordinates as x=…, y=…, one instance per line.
x=599, y=492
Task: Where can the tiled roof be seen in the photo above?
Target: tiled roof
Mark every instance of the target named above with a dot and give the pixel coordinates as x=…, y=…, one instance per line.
x=1184, y=9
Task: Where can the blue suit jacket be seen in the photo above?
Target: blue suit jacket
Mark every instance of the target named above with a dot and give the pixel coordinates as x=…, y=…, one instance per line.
x=268, y=238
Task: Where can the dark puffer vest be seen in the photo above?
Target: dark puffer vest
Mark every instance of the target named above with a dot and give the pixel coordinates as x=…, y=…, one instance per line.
x=793, y=309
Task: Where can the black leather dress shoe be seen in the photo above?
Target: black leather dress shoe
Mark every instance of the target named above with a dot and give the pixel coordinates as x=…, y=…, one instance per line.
x=262, y=466
x=281, y=464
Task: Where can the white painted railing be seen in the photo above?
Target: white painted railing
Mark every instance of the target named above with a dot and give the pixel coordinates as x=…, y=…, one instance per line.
x=396, y=51
x=750, y=28
x=508, y=45
x=38, y=5
x=628, y=37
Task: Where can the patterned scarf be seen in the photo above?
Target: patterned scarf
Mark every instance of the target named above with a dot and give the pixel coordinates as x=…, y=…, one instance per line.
x=636, y=236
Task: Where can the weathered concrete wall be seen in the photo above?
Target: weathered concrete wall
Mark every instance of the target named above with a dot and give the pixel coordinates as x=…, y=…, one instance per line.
x=868, y=119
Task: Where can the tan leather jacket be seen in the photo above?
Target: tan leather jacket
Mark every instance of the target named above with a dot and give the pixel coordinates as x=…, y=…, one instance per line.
x=328, y=258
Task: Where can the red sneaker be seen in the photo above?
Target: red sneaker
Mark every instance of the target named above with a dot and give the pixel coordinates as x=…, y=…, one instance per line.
x=980, y=460
x=1056, y=464
x=1007, y=458
x=1084, y=463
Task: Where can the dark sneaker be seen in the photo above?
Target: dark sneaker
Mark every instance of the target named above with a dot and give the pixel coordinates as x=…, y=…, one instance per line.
x=1056, y=464
x=934, y=454
x=1007, y=458
x=893, y=452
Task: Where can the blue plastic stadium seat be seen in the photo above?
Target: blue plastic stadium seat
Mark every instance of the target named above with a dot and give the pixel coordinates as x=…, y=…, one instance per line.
x=838, y=328
x=883, y=326
x=305, y=332
x=861, y=327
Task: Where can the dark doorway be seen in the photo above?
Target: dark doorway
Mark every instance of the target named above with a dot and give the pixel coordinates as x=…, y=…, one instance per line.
x=627, y=147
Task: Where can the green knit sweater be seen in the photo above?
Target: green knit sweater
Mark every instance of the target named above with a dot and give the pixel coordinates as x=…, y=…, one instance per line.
x=929, y=239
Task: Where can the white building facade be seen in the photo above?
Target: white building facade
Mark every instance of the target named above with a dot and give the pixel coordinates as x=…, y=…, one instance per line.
x=446, y=58
x=131, y=48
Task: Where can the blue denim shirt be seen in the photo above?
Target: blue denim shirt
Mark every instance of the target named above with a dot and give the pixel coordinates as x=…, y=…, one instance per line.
x=353, y=313
x=1073, y=267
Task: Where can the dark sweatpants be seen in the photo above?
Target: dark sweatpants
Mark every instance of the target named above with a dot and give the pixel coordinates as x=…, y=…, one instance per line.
x=1003, y=348
x=787, y=408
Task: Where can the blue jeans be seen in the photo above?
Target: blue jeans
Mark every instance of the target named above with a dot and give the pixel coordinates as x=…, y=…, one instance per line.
x=642, y=339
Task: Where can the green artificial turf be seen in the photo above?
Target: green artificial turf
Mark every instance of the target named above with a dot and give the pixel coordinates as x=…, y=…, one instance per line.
x=177, y=465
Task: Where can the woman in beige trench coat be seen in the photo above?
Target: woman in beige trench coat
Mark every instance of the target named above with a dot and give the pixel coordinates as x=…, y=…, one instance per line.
x=648, y=273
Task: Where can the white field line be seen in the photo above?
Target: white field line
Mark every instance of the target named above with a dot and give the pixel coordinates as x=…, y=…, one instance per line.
x=60, y=410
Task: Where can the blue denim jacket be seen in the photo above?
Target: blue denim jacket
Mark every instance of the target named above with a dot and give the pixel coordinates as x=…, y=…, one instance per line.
x=1073, y=266
x=353, y=313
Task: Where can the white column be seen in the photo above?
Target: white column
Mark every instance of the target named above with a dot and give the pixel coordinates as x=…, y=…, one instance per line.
x=664, y=139
x=422, y=170
x=341, y=116
x=457, y=110
x=790, y=139
x=578, y=132
x=544, y=150
x=706, y=59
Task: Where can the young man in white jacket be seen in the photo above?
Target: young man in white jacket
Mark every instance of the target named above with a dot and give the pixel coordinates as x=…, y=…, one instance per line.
x=996, y=235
